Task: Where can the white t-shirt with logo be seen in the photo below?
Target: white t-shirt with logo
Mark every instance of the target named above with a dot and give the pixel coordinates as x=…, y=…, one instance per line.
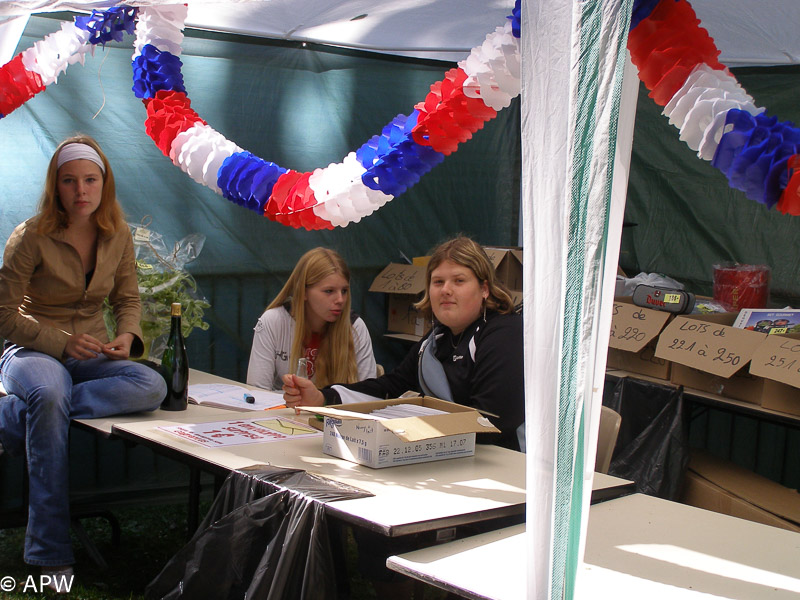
x=272, y=345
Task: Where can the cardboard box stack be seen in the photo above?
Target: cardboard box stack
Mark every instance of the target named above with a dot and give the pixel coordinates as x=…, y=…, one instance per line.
x=507, y=263
x=404, y=285
x=704, y=352
x=710, y=355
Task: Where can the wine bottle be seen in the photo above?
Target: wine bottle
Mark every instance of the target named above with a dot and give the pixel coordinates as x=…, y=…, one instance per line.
x=175, y=365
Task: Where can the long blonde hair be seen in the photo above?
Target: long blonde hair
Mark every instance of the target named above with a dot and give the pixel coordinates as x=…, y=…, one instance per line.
x=336, y=358
x=52, y=216
x=467, y=253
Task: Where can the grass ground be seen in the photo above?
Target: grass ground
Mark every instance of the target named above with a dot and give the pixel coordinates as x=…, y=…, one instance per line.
x=150, y=536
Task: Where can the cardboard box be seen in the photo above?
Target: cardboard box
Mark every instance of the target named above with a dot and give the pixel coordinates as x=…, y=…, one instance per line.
x=507, y=263
x=351, y=433
x=404, y=285
x=632, y=340
x=710, y=355
x=420, y=261
x=777, y=360
x=737, y=363
x=721, y=486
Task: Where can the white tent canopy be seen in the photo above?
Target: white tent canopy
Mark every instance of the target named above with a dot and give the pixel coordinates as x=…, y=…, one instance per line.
x=746, y=32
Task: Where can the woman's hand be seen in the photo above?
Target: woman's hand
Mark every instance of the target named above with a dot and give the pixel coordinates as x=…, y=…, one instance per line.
x=82, y=347
x=120, y=347
x=299, y=391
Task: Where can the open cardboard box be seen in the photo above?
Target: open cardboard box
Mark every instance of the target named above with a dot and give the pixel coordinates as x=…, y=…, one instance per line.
x=632, y=340
x=350, y=432
x=722, y=486
x=404, y=285
x=710, y=355
x=507, y=262
x=777, y=362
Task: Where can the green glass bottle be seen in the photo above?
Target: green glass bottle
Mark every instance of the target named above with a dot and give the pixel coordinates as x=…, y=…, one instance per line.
x=175, y=365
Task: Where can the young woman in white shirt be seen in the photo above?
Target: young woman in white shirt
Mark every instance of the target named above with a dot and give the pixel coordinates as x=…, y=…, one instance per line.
x=310, y=319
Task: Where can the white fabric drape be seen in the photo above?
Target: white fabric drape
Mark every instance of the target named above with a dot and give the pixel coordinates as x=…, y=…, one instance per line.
x=573, y=188
x=10, y=31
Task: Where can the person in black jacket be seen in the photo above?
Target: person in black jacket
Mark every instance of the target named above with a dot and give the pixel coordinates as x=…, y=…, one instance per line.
x=473, y=354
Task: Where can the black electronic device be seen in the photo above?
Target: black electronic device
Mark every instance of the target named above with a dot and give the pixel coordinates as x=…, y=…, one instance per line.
x=669, y=300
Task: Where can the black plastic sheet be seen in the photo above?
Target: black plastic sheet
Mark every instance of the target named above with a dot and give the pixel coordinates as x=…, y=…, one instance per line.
x=652, y=446
x=264, y=537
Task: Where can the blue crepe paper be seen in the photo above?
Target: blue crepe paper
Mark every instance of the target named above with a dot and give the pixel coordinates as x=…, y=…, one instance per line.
x=393, y=160
x=108, y=25
x=154, y=70
x=753, y=155
x=515, y=17
x=247, y=180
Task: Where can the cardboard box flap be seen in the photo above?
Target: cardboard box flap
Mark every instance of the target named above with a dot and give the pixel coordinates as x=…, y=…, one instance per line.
x=778, y=358
x=360, y=410
x=414, y=429
x=399, y=279
x=708, y=343
x=745, y=484
x=459, y=419
x=496, y=255
x=632, y=327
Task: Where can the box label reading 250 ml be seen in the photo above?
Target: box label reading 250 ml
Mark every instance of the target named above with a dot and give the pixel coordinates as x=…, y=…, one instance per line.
x=707, y=346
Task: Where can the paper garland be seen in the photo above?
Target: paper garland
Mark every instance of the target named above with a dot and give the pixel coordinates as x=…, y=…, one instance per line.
x=676, y=58
x=677, y=62
x=341, y=193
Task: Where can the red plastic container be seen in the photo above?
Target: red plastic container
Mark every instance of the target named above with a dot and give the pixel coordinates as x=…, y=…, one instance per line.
x=741, y=286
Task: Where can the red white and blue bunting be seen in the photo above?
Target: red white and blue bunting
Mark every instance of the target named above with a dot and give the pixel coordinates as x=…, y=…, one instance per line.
x=676, y=58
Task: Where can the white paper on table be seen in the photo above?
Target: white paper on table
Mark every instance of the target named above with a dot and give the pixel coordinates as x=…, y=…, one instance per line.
x=242, y=431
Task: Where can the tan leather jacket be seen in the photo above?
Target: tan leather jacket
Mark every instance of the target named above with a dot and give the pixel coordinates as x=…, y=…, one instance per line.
x=43, y=293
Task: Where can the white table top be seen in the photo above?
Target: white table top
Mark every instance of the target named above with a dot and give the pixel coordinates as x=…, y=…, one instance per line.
x=407, y=498
x=492, y=480
x=637, y=547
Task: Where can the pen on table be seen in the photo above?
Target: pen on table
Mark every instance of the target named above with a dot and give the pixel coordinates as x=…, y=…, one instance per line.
x=249, y=398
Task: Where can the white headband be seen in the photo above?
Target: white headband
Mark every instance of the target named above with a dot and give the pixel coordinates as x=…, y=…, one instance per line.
x=77, y=151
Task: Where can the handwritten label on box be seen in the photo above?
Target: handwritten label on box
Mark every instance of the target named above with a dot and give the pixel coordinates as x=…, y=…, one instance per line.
x=399, y=279
x=778, y=358
x=707, y=346
x=633, y=326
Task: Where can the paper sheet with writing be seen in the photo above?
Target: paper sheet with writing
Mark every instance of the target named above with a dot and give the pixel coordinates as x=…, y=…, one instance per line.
x=242, y=431
x=226, y=395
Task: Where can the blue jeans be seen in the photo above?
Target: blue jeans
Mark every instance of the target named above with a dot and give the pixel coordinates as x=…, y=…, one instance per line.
x=43, y=395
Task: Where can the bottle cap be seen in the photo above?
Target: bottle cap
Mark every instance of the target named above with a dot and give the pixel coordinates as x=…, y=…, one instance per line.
x=176, y=309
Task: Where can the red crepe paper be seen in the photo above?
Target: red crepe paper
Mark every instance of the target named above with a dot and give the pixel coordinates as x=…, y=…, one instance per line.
x=292, y=203
x=447, y=117
x=17, y=85
x=667, y=46
x=275, y=206
x=789, y=202
x=168, y=114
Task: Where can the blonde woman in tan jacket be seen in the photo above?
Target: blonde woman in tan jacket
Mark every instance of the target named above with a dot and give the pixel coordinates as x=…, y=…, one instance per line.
x=58, y=362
